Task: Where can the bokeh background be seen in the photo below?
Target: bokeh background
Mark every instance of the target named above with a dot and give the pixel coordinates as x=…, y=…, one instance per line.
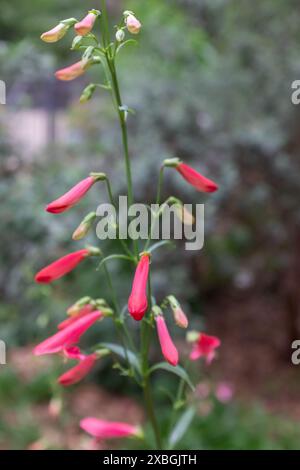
x=211, y=83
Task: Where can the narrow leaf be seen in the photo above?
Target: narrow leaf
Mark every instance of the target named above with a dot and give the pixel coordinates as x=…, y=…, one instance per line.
x=178, y=370
x=181, y=426
x=119, y=351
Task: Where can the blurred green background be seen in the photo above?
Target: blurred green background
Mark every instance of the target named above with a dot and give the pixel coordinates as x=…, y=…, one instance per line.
x=211, y=83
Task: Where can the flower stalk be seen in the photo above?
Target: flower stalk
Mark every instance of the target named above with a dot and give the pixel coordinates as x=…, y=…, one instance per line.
x=141, y=305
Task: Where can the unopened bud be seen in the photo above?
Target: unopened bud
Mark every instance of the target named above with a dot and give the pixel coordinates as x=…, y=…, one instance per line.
x=179, y=315
x=183, y=214
x=120, y=35
x=55, y=34
x=84, y=227
x=133, y=24
x=75, y=308
x=87, y=93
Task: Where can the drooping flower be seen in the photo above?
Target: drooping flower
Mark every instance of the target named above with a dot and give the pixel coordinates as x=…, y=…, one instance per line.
x=56, y=33
x=72, y=197
x=205, y=346
x=137, y=302
x=168, y=348
x=73, y=71
x=82, y=312
x=67, y=337
x=179, y=315
x=101, y=429
x=61, y=266
x=133, y=24
x=200, y=182
x=86, y=25
x=78, y=372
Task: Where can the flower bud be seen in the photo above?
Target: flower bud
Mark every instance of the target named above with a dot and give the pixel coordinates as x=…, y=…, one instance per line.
x=84, y=227
x=86, y=25
x=87, y=93
x=183, y=214
x=56, y=33
x=179, y=316
x=75, y=308
x=73, y=71
x=120, y=35
x=133, y=24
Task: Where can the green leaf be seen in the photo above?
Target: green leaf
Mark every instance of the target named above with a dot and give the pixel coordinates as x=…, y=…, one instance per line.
x=177, y=370
x=77, y=41
x=119, y=351
x=125, y=43
x=181, y=426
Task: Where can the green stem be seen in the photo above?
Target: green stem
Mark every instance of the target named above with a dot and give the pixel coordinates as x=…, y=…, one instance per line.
x=111, y=198
x=146, y=332
x=156, y=215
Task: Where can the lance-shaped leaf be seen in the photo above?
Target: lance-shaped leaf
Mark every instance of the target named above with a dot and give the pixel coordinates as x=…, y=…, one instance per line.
x=178, y=370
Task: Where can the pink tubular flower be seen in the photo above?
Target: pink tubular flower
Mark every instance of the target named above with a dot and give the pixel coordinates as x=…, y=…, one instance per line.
x=67, y=337
x=196, y=179
x=137, y=302
x=82, y=312
x=78, y=372
x=72, y=197
x=73, y=352
x=73, y=71
x=168, y=348
x=55, y=34
x=61, y=266
x=86, y=25
x=108, y=429
x=133, y=24
x=205, y=347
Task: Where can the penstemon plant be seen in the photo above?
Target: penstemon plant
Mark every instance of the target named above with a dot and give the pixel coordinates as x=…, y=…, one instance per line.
x=130, y=357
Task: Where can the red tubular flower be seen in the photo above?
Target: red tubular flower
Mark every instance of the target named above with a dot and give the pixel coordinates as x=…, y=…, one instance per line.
x=205, y=346
x=72, y=197
x=73, y=71
x=82, y=312
x=108, y=429
x=200, y=182
x=61, y=266
x=86, y=25
x=168, y=348
x=67, y=337
x=78, y=372
x=137, y=302
x=73, y=352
